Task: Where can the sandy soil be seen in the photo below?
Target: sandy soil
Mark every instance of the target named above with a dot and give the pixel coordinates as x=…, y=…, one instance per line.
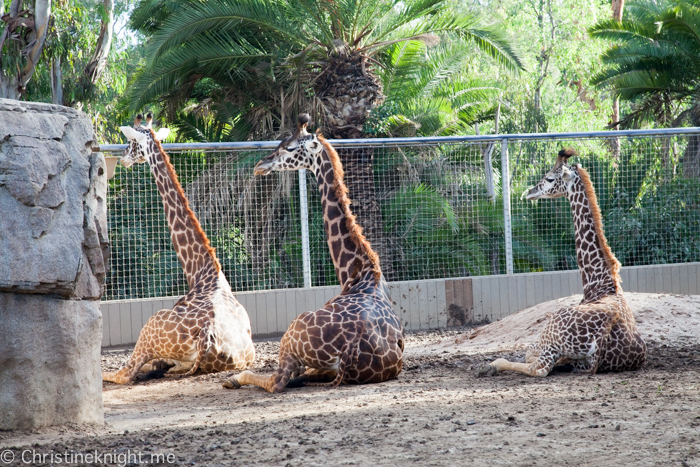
x=436, y=413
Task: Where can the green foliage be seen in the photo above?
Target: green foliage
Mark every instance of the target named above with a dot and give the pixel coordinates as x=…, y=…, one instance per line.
x=263, y=55
x=429, y=241
x=654, y=61
x=553, y=94
x=429, y=92
x=74, y=29
x=227, y=70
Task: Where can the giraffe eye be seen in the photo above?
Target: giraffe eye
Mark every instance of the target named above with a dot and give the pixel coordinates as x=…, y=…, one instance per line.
x=290, y=148
x=550, y=180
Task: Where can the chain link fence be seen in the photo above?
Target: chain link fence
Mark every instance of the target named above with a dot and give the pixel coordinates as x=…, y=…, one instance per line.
x=432, y=207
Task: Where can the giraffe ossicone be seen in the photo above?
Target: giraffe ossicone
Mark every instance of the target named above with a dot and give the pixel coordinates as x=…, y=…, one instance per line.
x=356, y=337
x=599, y=334
x=207, y=329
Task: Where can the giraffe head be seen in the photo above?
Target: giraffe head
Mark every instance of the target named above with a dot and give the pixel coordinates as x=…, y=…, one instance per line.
x=140, y=137
x=293, y=153
x=558, y=181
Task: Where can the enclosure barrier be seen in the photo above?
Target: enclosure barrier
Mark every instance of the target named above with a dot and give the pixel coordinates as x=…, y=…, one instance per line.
x=447, y=210
x=421, y=305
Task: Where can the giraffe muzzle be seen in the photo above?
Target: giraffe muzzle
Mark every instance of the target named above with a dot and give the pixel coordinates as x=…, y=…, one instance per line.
x=263, y=168
x=532, y=194
x=126, y=162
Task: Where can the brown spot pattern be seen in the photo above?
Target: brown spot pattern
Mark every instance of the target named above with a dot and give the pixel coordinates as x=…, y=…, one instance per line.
x=356, y=337
x=208, y=326
x=600, y=334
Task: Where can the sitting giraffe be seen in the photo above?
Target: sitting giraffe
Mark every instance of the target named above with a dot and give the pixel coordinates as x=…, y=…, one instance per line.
x=356, y=337
x=599, y=334
x=207, y=327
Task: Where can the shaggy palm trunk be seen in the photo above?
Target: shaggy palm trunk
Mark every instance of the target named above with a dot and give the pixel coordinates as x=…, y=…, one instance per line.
x=349, y=90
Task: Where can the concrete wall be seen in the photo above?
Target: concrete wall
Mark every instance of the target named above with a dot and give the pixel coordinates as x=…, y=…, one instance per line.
x=428, y=304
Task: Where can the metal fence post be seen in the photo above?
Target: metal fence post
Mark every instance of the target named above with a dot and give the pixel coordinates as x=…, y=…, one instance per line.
x=305, y=249
x=505, y=190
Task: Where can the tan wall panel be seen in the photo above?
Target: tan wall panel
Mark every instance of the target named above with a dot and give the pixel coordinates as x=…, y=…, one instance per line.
x=418, y=304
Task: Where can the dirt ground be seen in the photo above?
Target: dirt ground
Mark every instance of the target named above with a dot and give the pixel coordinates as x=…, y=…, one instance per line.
x=436, y=413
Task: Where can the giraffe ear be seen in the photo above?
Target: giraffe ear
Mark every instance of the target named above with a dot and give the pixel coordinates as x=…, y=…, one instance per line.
x=130, y=133
x=162, y=134
x=313, y=145
x=566, y=174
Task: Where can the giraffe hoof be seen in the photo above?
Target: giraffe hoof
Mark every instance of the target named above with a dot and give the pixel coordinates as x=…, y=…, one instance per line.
x=487, y=370
x=231, y=384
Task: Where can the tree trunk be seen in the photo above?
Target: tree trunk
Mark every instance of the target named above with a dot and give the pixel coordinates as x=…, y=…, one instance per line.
x=56, y=82
x=29, y=42
x=9, y=85
x=97, y=63
x=691, y=158
x=42, y=13
x=349, y=90
x=618, y=7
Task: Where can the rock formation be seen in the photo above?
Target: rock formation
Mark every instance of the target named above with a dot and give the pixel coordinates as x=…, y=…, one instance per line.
x=54, y=249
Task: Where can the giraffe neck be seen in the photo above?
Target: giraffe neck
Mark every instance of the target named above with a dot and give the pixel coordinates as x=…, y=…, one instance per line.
x=598, y=266
x=351, y=253
x=197, y=257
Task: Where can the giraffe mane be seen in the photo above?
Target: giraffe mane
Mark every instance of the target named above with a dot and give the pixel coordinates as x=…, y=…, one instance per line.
x=341, y=192
x=609, y=257
x=186, y=204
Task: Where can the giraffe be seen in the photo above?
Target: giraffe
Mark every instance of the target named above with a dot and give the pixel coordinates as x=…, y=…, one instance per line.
x=356, y=337
x=207, y=327
x=600, y=333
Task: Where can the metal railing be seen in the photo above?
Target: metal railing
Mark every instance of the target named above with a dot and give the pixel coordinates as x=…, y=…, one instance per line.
x=437, y=198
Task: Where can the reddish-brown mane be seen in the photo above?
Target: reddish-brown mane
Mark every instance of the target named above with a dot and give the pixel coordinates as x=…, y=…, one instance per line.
x=341, y=192
x=609, y=257
x=186, y=204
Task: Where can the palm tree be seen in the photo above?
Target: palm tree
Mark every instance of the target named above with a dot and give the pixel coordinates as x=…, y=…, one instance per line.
x=655, y=65
x=273, y=58
x=250, y=50
x=430, y=93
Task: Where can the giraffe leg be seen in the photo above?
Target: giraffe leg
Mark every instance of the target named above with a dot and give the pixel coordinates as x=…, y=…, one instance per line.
x=201, y=356
x=276, y=382
x=141, y=355
x=313, y=377
x=540, y=367
x=158, y=365
x=288, y=367
x=349, y=354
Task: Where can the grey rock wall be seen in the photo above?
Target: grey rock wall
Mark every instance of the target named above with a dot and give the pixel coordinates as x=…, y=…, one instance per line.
x=53, y=255
x=53, y=227
x=49, y=363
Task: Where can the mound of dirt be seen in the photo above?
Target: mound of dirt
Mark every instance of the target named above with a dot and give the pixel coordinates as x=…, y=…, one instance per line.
x=671, y=319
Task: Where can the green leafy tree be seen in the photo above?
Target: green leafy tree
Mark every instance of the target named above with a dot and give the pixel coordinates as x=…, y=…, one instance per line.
x=654, y=64
x=21, y=43
x=429, y=91
x=273, y=58
x=553, y=93
x=80, y=62
x=325, y=48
